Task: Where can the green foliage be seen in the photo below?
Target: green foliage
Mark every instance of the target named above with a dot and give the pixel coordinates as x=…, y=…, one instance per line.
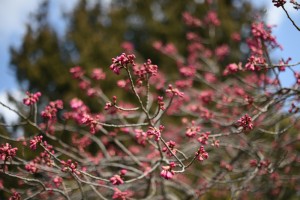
x=94, y=35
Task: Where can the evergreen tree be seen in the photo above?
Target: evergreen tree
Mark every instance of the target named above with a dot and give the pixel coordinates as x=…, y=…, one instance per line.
x=94, y=35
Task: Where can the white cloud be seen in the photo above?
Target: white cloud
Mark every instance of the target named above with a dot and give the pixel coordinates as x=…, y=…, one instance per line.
x=9, y=116
x=274, y=15
x=13, y=18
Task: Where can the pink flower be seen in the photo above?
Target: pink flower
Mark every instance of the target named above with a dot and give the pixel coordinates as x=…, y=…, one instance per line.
x=254, y=62
x=140, y=136
x=141, y=71
x=116, y=180
x=90, y=121
x=253, y=163
x=123, y=172
x=160, y=101
x=212, y=19
x=236, y=37
x=157, y=45
x=127, y=46
x=203, y=139
x=222, y=51
x=171, y=144
x=35, y=141
x=31, y=167
x=202, y=154
x=278, y=3
x=98, y=74
x=231, y=69
x=32, y=98
x=167, y=171
x=51, y=110
x=121, y=195
x=57, y=181
x=7, y=151
x=245, y=122
x=77, y=72
x=263, y=33
x=174, y=91
x=153, y=131
x=206, y=96
x=189, y=20
x=215, y=143
x=76, y=103
x=15, y=196
x=188, y=71
x=69, y=166
x=121, y=61
x=192, y=130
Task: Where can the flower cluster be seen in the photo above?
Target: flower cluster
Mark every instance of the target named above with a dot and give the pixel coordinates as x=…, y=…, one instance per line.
x=127, y=46
x=161, y=103
x=231, y=69
x=153, y=131
x=122, y=195
x=110, y=105
x=201, y=154
x=7, y=151
x=69, y=166
x=31, y=167
x=146, y=69
x=35, y=141
x=90, y=121
x=174, y=91
x=192, y=130
x=254, y=62
x=203, y=139
x=15, y=196
x=187, y=71
x=278, y=3
x=141, y=136
x=77, y=72
x=57, y=181
x=32, y=98
x=171, y=144
x=222, y=51
x=245, y=122
x=45, y=156
x=167, y=171
x=168, y=49
x=121, y=61
x=98, y=74
x=212, y=19
x=206, y=96
x=189, y=20
x=117, y=179
x=51, y=110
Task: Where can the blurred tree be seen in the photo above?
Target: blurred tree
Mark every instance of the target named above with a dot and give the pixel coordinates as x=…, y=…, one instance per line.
x=96, y=31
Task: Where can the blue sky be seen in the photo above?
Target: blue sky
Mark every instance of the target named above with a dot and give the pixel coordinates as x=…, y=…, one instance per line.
x=14, y=16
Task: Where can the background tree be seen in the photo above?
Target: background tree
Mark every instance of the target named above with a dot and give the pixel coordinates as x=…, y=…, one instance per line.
x=95, y=31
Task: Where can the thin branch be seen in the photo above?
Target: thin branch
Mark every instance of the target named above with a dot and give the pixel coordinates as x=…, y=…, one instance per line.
x=287, y=14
